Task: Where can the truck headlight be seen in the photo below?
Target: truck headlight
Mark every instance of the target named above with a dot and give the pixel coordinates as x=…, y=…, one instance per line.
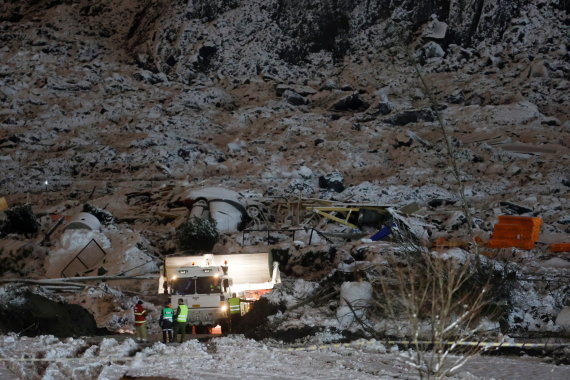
x=223, y=307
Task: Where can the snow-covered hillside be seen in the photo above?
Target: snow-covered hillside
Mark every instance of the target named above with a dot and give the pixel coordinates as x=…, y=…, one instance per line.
x=120, y=108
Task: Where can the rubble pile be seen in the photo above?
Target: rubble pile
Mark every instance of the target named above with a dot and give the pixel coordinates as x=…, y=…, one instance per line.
x=120, y=108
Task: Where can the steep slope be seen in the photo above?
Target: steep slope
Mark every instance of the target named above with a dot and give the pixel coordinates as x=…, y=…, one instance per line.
x=99, y=102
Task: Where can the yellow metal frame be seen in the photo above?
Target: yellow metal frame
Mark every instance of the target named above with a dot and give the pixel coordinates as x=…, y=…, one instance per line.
x=327, y=212
x=323, y=211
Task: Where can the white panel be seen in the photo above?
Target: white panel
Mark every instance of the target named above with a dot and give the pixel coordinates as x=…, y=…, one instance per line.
x=243, y=268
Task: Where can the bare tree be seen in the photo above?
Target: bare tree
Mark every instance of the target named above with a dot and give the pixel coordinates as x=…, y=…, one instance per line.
x=437, y=307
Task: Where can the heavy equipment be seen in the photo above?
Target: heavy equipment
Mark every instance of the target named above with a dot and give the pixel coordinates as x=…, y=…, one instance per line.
x=206, y=282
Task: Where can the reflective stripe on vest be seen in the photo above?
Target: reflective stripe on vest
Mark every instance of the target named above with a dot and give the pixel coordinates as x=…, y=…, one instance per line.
x=183, y=315
x=167, y=314
x=234, y=305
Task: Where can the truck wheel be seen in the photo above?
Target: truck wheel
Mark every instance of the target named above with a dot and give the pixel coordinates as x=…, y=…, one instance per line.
x=202, y=329
x=225, y=325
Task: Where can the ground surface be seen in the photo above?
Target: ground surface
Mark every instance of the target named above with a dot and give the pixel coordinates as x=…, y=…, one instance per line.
x=126, y=105
x=237, y=358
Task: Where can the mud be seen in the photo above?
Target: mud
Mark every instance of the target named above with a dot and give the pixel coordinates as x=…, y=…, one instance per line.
x=254, y=324
x=31, y=315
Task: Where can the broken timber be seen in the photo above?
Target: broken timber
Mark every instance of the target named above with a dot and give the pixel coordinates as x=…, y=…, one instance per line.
x=347, y=210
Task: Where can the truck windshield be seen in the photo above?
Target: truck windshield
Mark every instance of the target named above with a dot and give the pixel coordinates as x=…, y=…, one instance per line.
x=197, y=285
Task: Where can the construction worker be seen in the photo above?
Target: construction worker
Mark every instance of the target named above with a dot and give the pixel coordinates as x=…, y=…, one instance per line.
x=166, y=323
x=235, y=311
x=215, y=286
x=181, y=318
x=140, y=321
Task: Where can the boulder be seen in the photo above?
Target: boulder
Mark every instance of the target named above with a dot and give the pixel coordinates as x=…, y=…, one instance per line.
x=412, y=116
x=280, y=89
x=294, y=98
x=432, y=50
x=435, y=29
x=332, y=181
x=350, y=103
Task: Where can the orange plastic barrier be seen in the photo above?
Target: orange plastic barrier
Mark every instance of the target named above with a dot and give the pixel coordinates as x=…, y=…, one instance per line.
x=559, y=247
x=515, y=231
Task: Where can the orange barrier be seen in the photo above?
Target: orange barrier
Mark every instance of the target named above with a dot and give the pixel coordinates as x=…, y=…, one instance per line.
x=559, y=247
x=515, y=231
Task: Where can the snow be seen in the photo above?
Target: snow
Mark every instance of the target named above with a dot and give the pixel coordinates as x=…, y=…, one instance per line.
x=355, y=297
x=563, y=318
x=208, y=129
x=236, y=357
x=291, y=293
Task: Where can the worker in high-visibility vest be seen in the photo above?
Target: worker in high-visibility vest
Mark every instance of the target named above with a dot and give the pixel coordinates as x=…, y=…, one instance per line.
x=180, y=320
x=166, y=323
x=235, y=312
x=140, y=321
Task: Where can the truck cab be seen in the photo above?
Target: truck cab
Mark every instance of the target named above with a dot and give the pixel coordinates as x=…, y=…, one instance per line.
x=205, y=283
x=203, y=291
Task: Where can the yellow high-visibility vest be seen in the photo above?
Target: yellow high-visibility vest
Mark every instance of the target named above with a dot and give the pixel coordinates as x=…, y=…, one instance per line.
x=234, y=305
x=183, y=315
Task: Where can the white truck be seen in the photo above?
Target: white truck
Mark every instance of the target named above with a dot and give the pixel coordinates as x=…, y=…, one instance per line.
x=206, y=282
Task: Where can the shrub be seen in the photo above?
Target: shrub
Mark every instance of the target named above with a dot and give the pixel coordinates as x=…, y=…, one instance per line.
x=21, y=220
x=197, y=234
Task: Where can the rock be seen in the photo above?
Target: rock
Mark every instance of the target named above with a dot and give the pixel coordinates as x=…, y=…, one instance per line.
x=412, y=116
x=332, y=181
x=294, y=98
x=455, y=221
x=384, y=108
x=431, y=50
x=330, y=85
x=537, y=70
x=563, y=318
x=436, y=202
x=350, y=103
x=150, y=77
x=234, y=147
x=305, y=172
x=513, y=171
x=88, y=53
x=435, y=29
x=205, y=55
x=550, y=121
x=403, y=139
x=301, y=90
x=515, y=208
x=456, y=97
